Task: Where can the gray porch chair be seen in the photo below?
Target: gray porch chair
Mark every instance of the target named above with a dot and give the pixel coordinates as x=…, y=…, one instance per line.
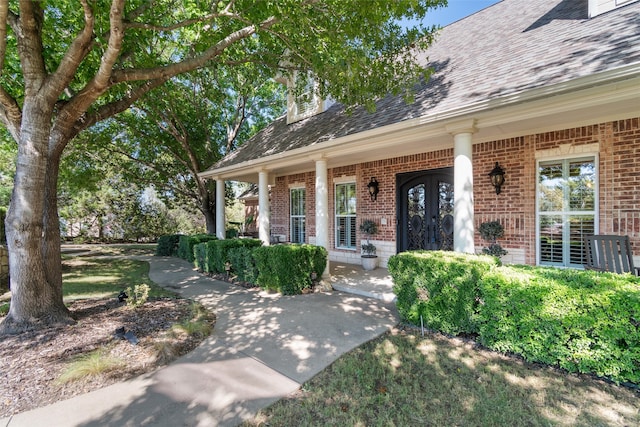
x=610, y=253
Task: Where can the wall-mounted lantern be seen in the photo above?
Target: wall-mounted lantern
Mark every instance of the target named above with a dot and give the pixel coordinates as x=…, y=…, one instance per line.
x=497, y=177
x=372, y=186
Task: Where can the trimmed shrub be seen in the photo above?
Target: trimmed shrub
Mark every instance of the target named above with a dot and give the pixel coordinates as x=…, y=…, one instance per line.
x=186, y=244
x=288, y=268
x=200, y=258
x=243, y=265
x=218, y=253
x=168, y=245
x=439, y=287
x=581, y=321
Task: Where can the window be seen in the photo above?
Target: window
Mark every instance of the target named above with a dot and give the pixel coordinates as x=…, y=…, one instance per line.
x=346, y=216
x=566, y=210
x=303, y=101
x=298, y=229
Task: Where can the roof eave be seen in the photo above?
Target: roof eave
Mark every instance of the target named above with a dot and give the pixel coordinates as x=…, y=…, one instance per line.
x=590, y=91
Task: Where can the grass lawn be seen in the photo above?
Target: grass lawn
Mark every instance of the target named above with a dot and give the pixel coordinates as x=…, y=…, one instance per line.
x=404, y=379
x=89, y=276
x=86, y=277
x=104, y=278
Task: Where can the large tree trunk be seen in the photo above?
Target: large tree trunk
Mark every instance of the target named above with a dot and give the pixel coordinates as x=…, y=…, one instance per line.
x=33, y=234
x=208, y=210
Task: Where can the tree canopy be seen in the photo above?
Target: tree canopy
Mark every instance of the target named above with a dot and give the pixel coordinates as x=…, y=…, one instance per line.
x=66, y=66
x=185, y=126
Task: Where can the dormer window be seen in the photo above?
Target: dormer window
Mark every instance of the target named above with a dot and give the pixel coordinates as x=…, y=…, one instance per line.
x=597, y=7
x=305, y=103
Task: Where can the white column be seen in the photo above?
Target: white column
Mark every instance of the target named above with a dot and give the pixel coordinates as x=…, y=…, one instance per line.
x=220, y=217
x=463, y=239
x=264, y=226
x=322, y=208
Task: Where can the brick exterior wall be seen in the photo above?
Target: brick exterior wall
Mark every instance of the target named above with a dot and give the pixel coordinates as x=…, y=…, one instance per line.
x=618, y=144
x=251, y=212
x=620, y=180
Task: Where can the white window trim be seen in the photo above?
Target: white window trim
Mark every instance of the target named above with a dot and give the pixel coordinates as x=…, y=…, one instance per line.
x=317, y=105
x=342, y=181
x=304, y=215
x=575, y=154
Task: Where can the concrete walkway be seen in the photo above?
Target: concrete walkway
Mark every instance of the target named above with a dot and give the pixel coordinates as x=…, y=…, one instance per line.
x=264, y=346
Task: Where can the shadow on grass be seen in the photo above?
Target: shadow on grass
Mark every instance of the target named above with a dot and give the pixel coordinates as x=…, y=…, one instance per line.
x=405, y=379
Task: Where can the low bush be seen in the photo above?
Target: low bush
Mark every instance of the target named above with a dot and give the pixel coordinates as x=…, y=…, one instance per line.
x=243, y=265
x=186, y=244
x=288, y=269
x=439, y=289
x=137, y=295
x=581, y=321
x=200, y=257
x=218, y=253
x=168, y=245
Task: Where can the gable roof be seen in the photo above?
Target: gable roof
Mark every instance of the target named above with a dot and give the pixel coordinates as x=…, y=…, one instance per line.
x=487, y=59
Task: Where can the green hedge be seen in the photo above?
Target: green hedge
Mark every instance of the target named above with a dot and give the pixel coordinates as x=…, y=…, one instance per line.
x=201, y=257
x=288, y=268
x=220, y=249
x=186, y=244
x=243, y=264
x=582, y=321
x=441, y=287
x=168, y=245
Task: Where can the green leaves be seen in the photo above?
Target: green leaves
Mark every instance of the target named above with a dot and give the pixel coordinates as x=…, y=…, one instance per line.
x=288, y=268
x=581, y=321
x=439, y=287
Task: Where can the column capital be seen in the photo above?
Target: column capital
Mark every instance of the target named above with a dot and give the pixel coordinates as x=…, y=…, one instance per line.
x=318, y=157
x=462, y=126
x=271, y=178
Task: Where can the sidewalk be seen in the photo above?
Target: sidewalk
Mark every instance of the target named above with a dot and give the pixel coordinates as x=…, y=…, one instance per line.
x=264, y=346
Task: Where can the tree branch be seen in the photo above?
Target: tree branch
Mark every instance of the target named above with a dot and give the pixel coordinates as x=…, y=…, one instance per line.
x=195, y=62
x=28, y=31
x=10, y=113
x=70, y=130
x=236, y=123
x=118, y=106
x=77, y=52
x=102, y=80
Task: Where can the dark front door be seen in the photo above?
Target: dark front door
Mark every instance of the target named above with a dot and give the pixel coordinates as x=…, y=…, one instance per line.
x=425, y=210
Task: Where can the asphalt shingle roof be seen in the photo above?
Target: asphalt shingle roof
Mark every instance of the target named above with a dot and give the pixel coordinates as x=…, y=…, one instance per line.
x=508, y=48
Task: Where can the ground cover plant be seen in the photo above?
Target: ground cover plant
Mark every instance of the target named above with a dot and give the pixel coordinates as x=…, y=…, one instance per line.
x=41, y=367
x=406, y=379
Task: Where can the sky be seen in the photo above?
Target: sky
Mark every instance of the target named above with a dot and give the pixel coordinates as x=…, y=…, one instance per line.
x=456, y=10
